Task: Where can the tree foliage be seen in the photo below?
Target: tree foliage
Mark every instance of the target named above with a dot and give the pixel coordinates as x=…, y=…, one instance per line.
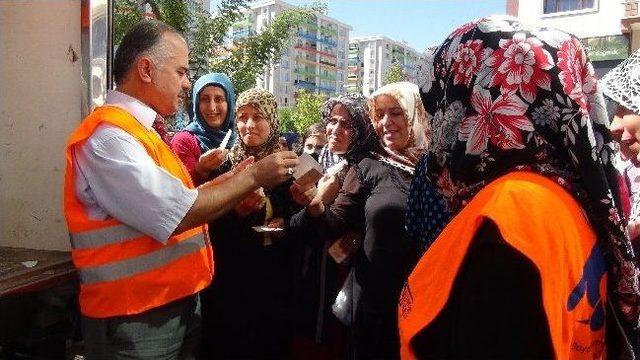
x=394, y=74
x=304, y=113
x=242, y=61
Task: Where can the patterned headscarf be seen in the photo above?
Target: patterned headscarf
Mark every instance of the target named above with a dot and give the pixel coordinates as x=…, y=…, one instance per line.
x=408, y=97
x=504, y=97
x=363, y=139
x=266, y=104
x=622, y=84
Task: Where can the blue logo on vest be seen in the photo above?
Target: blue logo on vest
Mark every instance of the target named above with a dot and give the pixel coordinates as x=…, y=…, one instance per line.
x=594, y=270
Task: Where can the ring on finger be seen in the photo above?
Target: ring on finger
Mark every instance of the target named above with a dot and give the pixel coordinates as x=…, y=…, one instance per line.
x=290, y=171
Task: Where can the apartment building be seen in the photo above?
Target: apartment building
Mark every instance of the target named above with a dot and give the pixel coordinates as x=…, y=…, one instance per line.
x=370, y=58
x=316, y=61
x=600, y=24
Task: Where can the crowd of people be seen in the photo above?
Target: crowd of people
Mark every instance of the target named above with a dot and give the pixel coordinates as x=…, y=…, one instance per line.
x=489, y=211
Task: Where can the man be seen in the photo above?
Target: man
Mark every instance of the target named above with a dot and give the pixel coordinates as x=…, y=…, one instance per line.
x=135, y=220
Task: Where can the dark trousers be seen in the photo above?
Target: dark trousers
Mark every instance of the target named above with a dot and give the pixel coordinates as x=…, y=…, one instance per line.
x=171, y=331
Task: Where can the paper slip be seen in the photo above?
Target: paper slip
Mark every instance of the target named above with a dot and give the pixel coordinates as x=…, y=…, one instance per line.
x=308, y=171
x=262, y=229
x=225, y=141
x=336, y=168
x=222, y=145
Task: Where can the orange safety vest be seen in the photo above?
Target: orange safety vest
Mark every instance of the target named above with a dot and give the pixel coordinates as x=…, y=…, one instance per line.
x=524, y=206
x=123, y=271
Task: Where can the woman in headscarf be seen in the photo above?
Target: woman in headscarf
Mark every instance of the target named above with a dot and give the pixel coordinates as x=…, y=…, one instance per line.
x=350, y=137
x=247, y=313
x=213, y=112
x=372, y=200
x=521, y=153
x=621, y=85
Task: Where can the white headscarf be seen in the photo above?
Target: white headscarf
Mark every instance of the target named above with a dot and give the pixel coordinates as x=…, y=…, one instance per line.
x=408, y=97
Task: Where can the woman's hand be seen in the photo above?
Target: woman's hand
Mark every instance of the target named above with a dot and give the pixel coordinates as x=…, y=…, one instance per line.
x=276, y=223
x=302, y=195
x=253, y=202
x=328, y=188
x=210, y=161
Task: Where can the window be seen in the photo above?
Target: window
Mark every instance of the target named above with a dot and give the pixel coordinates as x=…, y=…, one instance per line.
x=556, y=6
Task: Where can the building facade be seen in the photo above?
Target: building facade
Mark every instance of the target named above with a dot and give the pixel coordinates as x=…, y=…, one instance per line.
x=598, y=23
x=370, y=58
x=316, y=61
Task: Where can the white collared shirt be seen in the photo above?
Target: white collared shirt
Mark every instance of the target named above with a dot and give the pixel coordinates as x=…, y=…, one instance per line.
x=117, y=178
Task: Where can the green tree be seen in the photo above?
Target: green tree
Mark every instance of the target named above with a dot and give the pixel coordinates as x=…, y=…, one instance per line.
x=394, y=74
x=304, y=113
x=285, y=116
x=206, y=35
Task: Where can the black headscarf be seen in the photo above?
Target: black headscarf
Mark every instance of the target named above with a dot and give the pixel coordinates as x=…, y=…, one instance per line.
x=363, y=139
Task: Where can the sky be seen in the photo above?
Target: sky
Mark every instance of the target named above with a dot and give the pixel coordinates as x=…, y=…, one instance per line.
x=421, y=23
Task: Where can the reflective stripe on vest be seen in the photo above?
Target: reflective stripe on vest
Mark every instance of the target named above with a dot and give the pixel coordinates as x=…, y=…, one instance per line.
x=105, y=236
x=125, y=268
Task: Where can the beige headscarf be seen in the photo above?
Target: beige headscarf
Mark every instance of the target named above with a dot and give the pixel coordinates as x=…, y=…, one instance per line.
x=266, y=104
x=408, y=97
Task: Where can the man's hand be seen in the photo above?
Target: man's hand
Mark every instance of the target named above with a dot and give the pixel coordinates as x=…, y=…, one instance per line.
x=274, y=169
x=253, y=202
x=210, y=161
x=229, y=174
x=302, y=195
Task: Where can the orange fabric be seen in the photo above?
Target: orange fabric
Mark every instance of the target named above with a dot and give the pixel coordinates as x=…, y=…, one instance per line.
x=183, y=277
x=540, y=219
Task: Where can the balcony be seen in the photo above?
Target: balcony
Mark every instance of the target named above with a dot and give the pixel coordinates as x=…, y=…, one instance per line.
x=314, y=38
x=314, y=51
x=304, y=84
x=305, y=60
x=305, y=72
x=327, y=77
x=327, y=63
x=311, y=37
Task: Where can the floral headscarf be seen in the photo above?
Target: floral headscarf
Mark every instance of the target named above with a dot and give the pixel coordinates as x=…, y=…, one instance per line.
x=363, y=139
x=266, y=104
x=503, y=97
x=408, y=97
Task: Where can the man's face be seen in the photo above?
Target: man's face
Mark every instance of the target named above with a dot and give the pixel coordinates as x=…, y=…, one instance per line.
x=625, y=129
x=169, y=77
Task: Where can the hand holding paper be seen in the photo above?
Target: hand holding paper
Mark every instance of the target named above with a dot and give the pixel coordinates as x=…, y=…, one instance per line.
x=308, y=172
x=210, y=161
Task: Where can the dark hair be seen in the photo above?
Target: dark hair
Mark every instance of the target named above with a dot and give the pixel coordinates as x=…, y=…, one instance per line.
x=143, y=36
x=314, y=128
